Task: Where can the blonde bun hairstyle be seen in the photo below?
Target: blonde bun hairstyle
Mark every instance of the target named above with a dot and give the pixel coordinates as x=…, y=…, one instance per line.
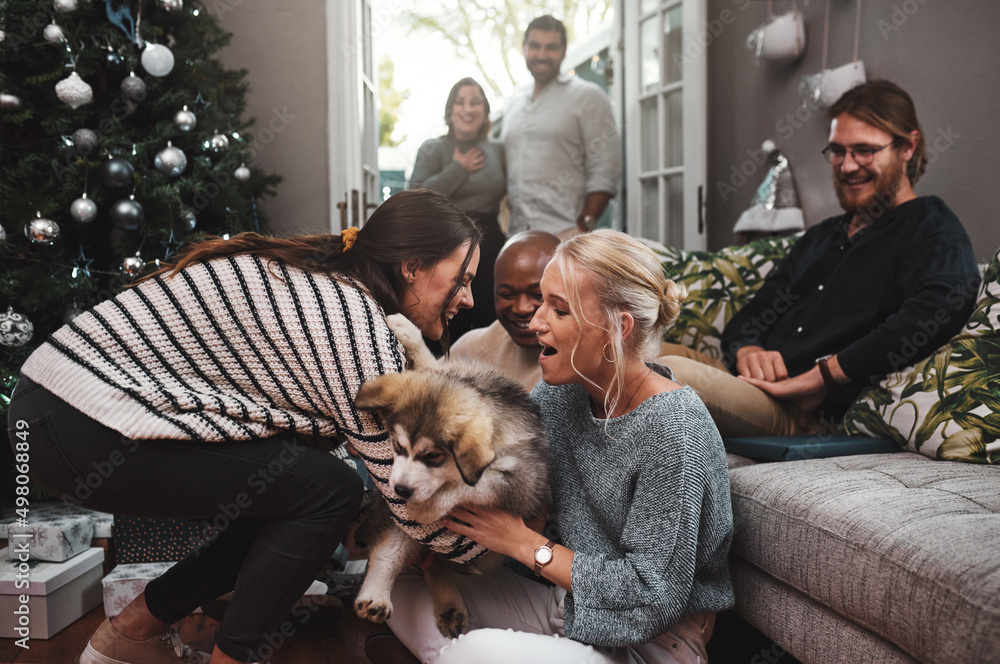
x=628, y=278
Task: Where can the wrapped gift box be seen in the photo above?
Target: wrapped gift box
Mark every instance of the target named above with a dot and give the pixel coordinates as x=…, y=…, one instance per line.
x=57, y=593
x=44, y=514
x=126, y=582
x=54, y=538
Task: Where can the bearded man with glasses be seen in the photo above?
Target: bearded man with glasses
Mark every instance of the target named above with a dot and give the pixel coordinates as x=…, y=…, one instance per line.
x=860, y=295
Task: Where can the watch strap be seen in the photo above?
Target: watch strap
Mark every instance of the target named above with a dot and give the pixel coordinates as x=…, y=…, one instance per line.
x=539, y=565
x=824, y=370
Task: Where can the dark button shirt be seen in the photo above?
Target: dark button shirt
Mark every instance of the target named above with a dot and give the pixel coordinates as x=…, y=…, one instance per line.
x=881, y=300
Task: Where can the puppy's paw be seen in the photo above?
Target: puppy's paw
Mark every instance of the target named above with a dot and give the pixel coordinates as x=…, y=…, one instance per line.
x=377, y=610
x=408, y=334
x=452, y=622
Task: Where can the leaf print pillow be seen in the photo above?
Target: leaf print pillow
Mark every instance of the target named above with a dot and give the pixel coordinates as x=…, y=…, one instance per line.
x=948, y=405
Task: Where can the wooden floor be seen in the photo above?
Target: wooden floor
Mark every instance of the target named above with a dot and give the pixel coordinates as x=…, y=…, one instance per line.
x=334, y=636
x=331, y=636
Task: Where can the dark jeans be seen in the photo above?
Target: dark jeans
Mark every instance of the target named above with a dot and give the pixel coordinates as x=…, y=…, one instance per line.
x=277, y=507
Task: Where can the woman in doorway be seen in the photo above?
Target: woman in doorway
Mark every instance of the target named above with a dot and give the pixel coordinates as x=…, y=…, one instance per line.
x=218, y=371
x=639, y=481
x=468, y=166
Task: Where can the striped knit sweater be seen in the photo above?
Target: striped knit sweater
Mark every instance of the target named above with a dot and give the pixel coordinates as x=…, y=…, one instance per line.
x=644, y=504
x=236, y=348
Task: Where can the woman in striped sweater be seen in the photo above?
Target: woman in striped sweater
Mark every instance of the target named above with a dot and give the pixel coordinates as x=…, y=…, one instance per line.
x=203, y=386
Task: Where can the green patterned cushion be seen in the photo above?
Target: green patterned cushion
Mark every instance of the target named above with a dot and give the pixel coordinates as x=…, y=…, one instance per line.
x=948, y=405
x=719, y=284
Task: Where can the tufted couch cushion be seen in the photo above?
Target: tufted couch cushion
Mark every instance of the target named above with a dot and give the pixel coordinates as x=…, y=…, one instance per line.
x=921, y=571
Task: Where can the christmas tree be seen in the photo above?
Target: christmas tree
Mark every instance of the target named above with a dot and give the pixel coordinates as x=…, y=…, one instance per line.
x=122, y=138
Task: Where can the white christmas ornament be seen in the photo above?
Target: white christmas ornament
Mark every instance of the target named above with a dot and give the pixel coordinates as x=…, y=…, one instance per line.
x=170, y=161
x=242, y=173
x=64, y=5
x=53, y=33
x=9, y=102
x=157, y=59
x=15, y=329
x=3, y=234
x=74, y=91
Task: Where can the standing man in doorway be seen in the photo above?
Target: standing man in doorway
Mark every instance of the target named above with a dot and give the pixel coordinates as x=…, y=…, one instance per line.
x=563, y=150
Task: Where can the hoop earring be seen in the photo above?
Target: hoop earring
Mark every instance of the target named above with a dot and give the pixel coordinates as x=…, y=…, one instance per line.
x=604, y=354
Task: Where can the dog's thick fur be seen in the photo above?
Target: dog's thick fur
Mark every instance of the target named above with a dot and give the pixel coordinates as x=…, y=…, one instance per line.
x=463, y=435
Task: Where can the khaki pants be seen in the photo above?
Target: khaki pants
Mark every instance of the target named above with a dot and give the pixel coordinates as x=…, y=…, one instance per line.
x=737, y=407
x=501, y=601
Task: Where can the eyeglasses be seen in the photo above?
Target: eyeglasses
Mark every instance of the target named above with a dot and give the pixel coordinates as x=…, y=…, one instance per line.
x=863, y=154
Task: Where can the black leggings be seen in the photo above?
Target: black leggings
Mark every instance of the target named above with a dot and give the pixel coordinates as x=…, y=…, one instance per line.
x=283, y=508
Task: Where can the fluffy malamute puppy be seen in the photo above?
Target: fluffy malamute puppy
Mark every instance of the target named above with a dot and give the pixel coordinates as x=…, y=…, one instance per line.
x=463, y=434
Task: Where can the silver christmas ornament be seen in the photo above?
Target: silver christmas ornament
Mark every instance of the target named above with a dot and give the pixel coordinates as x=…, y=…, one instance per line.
x=83, y=210
x=64, y=6
x=84, y=140
x=53, y=33
x=74, y=91
x=185, y=119
x=3, y=234
x=157, y=59
x=127, y=214
x=133, y=87
x=117, y=172
x=216, y=143
x=72, y=311
x=188, y=219
x=132, y=266
x=41, y=231
x=242, y=173
x=170, y=161
x=15, y=329
x=9, y=102
x=172, y=5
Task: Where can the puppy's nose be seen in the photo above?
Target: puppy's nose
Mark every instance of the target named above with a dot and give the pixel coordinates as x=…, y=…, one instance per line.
x=404, y=492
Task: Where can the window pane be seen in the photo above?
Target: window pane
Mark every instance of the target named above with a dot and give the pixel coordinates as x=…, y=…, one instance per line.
x=674, y=135
x=649, y=52
x=675, y=211
x=650, y=209
x=649, y=5
x=649, y=138
x=673, y=45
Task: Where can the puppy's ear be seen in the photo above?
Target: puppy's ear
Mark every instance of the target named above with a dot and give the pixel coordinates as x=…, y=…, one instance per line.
x=473, y=450
x=378, y=393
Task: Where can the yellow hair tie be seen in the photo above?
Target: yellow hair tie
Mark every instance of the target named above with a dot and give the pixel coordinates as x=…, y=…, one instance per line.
x=348, y=237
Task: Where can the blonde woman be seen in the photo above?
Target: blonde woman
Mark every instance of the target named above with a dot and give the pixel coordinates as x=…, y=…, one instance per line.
x=639, y=485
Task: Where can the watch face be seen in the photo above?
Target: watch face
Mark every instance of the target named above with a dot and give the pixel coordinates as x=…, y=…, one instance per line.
x=543, y=554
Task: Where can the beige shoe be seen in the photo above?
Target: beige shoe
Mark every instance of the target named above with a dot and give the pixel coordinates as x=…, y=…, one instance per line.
x=109, y=646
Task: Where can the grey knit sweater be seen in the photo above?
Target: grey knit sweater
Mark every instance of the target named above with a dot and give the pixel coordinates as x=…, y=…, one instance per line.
x=645, y=507
x=235, y=349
